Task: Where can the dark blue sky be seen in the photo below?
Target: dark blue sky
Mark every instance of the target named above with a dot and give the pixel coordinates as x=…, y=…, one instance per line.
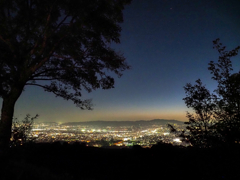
x=168, y=43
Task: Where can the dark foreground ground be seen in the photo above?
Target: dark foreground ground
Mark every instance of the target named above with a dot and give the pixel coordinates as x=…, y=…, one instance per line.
x=55, y=161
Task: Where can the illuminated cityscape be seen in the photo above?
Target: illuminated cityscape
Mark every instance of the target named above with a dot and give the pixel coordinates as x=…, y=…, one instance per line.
x=106, y=136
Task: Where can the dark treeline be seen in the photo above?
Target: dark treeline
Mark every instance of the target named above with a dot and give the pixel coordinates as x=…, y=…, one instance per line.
x=162, y=161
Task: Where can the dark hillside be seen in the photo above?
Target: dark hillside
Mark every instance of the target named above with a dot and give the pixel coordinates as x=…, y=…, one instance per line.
x=55, y=161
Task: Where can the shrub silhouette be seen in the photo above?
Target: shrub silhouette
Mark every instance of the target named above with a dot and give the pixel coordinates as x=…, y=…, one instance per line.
x=21, y=130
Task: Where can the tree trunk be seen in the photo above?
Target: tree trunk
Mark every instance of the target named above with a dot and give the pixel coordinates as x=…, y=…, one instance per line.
x=7, y=115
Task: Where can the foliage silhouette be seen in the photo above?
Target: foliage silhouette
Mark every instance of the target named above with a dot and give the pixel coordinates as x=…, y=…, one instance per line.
x=21, y=130
x=61, y=46
x=216, y=118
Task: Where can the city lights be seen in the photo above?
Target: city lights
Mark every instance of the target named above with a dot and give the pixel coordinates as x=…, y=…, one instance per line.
x=146, y=135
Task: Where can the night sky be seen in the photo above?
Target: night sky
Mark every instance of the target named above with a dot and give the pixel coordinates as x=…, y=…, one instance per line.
x=168, y=43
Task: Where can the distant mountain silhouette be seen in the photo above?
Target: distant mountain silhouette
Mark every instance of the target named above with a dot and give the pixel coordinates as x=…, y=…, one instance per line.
x=125, y=123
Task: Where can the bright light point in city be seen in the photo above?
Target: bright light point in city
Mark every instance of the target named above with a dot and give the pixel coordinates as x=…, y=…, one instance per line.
x=154, y=131
x=177, y=140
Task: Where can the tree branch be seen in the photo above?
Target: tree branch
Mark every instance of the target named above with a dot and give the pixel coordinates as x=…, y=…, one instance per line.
x=45, y=30
x=6, y=42
x=61, y=22
x=39, y=74
x=45, y=79
x=44, y=87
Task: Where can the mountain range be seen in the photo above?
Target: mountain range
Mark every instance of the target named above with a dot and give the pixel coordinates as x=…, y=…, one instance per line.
x=125, y=123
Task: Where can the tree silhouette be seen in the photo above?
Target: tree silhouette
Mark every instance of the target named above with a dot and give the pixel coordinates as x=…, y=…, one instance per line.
x=62, y=46
x=202, y=102
x=216, y=115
